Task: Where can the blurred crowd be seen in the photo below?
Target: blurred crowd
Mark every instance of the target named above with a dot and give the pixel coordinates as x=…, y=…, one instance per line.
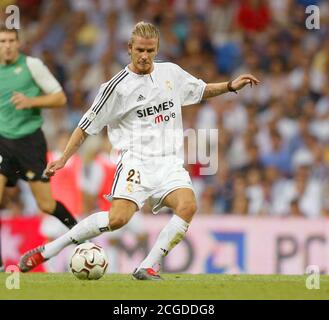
x=273, y=140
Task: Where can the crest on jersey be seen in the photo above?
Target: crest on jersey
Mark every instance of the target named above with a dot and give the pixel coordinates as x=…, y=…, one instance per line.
x=18, y=70
x=129, y=188
x=30, y=175
x=168, y=85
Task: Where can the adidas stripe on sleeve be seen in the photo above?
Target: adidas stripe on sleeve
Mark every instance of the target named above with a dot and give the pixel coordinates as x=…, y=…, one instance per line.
x=105, y=108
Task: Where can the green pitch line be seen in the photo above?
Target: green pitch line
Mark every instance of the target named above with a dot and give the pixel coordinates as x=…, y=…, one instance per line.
x=176, y=286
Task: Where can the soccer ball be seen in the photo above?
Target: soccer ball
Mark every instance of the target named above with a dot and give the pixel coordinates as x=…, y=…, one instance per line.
x=88, y=262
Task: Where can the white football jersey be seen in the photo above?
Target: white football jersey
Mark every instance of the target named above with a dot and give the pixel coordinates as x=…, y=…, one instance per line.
x=143, y=112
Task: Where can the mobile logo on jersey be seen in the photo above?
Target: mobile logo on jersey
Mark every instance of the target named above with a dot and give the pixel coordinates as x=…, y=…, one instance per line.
x=157, y=111
x=161, y=118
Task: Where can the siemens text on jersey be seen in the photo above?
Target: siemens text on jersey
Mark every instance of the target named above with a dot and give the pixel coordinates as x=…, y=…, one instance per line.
x=150, y=111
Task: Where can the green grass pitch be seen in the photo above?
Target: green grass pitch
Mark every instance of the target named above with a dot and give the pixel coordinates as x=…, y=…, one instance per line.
x=175, y=286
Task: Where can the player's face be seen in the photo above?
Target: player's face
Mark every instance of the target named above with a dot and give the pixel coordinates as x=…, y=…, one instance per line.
x=9, y=46
x=142, y=52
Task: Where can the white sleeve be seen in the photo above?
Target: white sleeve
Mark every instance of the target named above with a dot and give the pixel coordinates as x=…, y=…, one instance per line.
x=42, y=76
x=102, y=112
x=191, y=88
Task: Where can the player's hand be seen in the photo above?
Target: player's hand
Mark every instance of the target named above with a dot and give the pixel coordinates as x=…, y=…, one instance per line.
x=52, y=167
x=21, y=101
x=243, y=80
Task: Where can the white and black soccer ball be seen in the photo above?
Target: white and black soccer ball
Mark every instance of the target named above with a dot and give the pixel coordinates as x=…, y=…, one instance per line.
x=88, y=262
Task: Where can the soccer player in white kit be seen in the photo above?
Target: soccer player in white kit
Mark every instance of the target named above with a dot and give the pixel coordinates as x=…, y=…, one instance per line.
x=141, y=107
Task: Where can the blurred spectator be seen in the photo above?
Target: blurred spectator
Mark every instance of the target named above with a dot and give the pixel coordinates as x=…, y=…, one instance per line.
x=255, y=193
x=65, y=185
x=240, y=200
x=305, y=192
x=92, y=173
x=253, y=15
x=97, y=175
x=221, y=21
x=223, y=187
x=279, y=155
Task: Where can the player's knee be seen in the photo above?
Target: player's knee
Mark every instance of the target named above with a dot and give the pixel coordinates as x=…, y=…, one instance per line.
x=187, y=209
x=47, y=206
x=116, y=222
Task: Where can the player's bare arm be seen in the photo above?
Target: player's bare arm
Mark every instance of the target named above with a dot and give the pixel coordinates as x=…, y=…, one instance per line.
x=54, y=100
x=216, y=89
x=77, y=138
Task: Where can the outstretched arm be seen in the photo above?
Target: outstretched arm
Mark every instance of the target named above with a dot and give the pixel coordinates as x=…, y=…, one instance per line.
x=53, y=100
x=216, y=89
x=77, y=138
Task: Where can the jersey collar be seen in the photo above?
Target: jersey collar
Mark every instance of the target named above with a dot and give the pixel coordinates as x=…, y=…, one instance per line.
x=140, y=75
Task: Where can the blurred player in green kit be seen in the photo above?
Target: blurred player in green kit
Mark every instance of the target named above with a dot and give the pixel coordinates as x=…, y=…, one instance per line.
x=26, y=86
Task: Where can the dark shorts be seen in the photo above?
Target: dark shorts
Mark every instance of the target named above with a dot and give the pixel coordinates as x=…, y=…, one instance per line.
x=23, y=158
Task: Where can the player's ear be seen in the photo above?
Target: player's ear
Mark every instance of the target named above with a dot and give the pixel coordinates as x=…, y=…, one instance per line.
x=129, y=47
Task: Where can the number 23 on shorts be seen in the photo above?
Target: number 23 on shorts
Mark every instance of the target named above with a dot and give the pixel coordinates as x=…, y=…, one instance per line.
x=134, y=176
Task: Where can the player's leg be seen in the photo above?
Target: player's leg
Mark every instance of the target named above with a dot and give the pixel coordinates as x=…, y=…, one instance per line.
x=3, y=181
x=30, y=154
x=42, y=194
x=120, y=213
x=183, y=202
x=7, y=169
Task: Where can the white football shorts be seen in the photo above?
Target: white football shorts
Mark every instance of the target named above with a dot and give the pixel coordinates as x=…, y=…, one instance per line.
x=150, y=180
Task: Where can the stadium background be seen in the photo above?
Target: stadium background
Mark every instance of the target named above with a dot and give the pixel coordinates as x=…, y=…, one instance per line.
x=266, y=209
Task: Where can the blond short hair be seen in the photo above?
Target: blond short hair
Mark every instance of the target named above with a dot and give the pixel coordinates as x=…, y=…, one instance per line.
x=145, y=30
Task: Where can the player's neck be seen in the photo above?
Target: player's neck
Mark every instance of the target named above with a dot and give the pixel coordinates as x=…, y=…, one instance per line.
x=8, y=62
x=133, y=69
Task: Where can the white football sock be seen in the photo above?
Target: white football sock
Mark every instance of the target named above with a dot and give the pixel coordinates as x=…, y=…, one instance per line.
x=169, y=237
x=88, y=228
